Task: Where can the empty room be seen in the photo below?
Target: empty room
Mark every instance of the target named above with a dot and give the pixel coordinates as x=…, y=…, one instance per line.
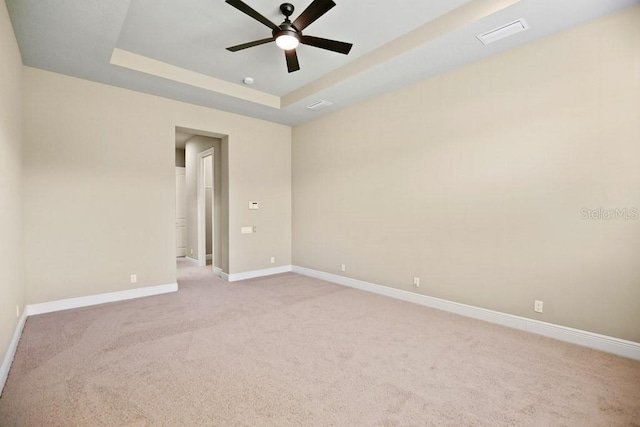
x=324, y=212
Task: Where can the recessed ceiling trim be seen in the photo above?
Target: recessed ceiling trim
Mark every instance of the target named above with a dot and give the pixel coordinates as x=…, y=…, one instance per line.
x=143, y=64
x=451, y=21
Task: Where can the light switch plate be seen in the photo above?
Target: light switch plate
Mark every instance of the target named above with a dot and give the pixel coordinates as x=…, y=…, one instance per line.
x=253, y=206
x=246, y=230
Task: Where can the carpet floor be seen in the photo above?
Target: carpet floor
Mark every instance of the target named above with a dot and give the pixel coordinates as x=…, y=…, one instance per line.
x=291, y=350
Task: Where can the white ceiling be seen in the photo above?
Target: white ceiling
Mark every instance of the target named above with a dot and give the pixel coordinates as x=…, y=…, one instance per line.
x=78, y=38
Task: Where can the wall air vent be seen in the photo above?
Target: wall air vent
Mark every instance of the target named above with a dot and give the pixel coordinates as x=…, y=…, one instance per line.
x=503, y=31
x=317, y=106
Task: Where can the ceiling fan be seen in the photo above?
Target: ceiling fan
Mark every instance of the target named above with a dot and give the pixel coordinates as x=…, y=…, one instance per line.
x=288, y=35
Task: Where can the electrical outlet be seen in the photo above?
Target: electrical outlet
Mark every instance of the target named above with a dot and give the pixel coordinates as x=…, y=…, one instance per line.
x=273, y=260
x=17, y=311
x=416, y=282
x=537, y=306
x=343, y=267
x=134, y=278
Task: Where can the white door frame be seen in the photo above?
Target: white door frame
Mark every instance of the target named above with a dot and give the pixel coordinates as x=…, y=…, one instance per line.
x=202, y=213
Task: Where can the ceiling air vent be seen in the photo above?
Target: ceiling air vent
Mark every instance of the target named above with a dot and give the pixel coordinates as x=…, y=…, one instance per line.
x=317, y=106
x=504, y=31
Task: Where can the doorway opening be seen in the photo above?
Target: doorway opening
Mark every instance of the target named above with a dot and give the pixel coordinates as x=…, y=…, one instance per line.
x=204, y=199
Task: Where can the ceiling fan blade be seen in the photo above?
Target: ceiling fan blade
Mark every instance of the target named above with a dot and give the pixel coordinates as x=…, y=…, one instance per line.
x=250, y=44
x=245, y=8
x=313, y=12
x=332, y=45
x=292, y=60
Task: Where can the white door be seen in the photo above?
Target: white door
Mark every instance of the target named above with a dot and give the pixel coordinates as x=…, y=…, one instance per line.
x=181, y=212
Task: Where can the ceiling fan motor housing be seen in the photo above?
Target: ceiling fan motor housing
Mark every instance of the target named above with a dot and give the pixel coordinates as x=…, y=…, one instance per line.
x=286, y=29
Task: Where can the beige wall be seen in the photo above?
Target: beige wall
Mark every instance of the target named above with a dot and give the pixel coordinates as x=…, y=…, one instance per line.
x=100, y=186
x=474, y=181
x=271, y=187
x=11, y=279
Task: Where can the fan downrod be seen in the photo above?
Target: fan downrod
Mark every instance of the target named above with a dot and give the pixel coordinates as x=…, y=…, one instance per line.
x=286, y=9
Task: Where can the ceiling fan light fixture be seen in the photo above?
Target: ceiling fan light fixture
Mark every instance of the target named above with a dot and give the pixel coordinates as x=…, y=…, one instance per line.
x=287, y=41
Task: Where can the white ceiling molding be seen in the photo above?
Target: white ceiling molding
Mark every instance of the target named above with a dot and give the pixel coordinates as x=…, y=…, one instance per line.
x=133, y=61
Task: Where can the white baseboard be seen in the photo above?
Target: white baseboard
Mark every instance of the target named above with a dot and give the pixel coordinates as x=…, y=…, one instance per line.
x=258, y=273
x=65, y=304
x=11, y=351
x=224, y=276
x=217, y=271
x=605, y=343
x=192, y=261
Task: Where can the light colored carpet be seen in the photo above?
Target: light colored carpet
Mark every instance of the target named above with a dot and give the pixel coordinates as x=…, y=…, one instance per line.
x=290, y=350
